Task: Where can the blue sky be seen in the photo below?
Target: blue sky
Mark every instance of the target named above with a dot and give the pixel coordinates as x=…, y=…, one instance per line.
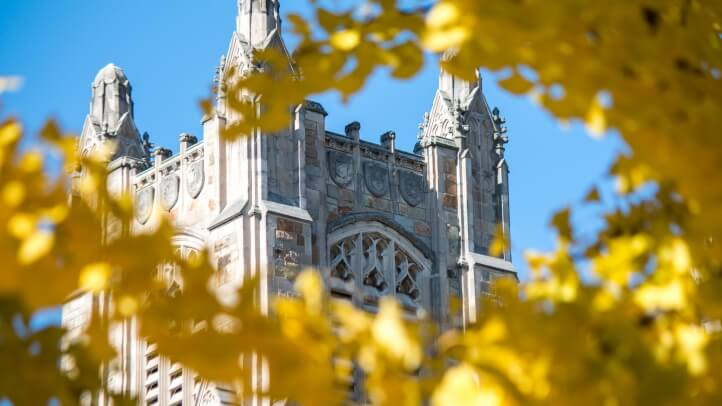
x=170, y=48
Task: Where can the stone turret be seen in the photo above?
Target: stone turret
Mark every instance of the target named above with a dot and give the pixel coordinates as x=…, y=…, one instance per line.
x=110, y=120
x=463, y=141
x=111, y=96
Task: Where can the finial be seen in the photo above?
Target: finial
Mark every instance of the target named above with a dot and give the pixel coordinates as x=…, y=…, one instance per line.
x=218, y=79
x=352, y=129
x=500, y=129
x=460, y=126
x=388, y=140
x=423, y=126
x=147, y=145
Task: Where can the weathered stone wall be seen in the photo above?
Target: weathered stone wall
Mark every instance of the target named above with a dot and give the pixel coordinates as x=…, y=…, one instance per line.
x=174, y=188
x=283, y=168
x=290, y=250
x=365, y=177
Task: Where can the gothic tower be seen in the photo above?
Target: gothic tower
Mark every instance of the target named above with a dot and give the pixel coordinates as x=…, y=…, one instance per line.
x=462, y=140
x=111, y=117
x=376, y=221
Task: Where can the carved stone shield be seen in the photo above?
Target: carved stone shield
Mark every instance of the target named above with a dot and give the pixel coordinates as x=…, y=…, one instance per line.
x=376, y=177
x=340, y=167
x=195, y=178
x=144, y=204
x=169, y=191
x=411, y=186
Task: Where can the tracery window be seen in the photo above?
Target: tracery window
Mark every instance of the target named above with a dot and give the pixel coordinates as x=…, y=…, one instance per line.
x=170, y=272
x=165, y=379
x=372, y=263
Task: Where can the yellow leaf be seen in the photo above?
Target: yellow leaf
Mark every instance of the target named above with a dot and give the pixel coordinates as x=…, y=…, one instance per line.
x=21, y=225
x=9, y=133
x=442, y=15
x=692, y=340
x=593, y=196
x=444, y=30
x=94, y=277
x=310, y=286
x=345, y=40
x=461, y=386
x=392, y=335
x=596, y=120
x=35, y=247
x=127, y=305
x=13, y=193
x=677, y=256
x=562, y=222
x=516, y=83
x=31, y=162
x=665, y=297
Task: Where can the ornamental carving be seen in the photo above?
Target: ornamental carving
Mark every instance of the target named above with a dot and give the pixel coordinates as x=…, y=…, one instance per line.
x=169, y=187
x=195, y=178
x=379, y=264
x=144, y=204
x=411, y=186
x=340, y=167
x=376, y=177
x=210, y=398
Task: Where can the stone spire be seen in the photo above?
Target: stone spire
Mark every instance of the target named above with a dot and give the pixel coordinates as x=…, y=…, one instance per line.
x=111, y=97
x=111, y=117
x=257, y=19
x=457, y=89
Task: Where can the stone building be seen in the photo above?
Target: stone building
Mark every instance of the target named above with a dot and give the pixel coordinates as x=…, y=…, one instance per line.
x=375, y=220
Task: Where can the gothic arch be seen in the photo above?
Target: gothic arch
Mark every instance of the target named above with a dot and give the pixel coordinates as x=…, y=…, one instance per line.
x=357, y=219
x=188, y=245
x=369, y=258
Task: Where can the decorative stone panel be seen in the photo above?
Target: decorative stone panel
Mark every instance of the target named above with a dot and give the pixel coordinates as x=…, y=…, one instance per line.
x=195, y=178
x=144, y=199
x=411, y=187
x=376, y=177
x=169, y=187
x=340, y=167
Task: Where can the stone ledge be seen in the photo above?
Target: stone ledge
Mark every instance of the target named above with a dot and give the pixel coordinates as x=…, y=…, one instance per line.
x=285, y=210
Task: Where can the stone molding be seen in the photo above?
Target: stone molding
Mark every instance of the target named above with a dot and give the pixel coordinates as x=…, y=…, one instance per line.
x=358, y=218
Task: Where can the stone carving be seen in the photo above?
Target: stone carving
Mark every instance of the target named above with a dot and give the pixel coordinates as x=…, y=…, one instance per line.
x=340, y=167
x=383, y=266
x=406, y=278
x=411, y=186
x=374, y=250
x=341, y=263
x=210, y=398
x=377, y=178
x=144, y=204
x=195, y=178
x=169, y=191
x=286, y=263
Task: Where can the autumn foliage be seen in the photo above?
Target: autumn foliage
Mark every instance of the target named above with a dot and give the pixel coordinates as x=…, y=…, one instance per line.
x=640, y=327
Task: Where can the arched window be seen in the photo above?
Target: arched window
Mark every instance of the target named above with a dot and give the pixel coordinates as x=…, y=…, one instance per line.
x=368, y=260
x=162, y=377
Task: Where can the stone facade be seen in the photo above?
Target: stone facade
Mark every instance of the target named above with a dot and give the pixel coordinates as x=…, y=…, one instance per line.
x=375, y=220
